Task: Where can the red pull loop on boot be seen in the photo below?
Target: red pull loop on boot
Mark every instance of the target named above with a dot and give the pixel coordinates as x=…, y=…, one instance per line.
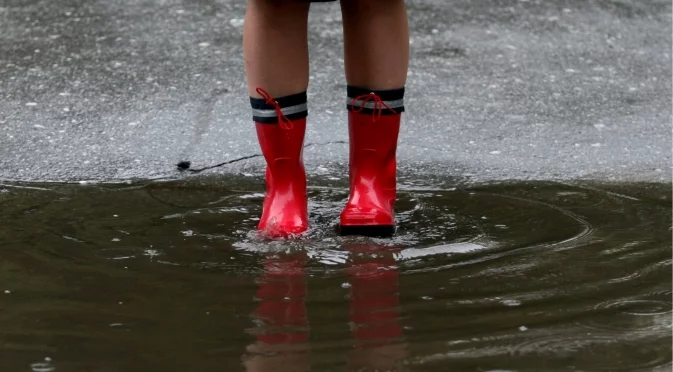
x=379, y=105
x=283, y=121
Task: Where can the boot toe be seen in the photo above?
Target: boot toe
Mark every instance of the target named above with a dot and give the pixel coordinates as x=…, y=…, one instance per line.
x=283, y=228
x=366, y=217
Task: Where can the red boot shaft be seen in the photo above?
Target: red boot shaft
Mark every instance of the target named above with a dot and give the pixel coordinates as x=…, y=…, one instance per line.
x=285, y=201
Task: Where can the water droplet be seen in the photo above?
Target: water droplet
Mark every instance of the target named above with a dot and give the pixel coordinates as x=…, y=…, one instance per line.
x=116, y=324
x=41, y=367
x=523, y=328
x=426, y=298
x=117, y=253
x=188, y=233
x=345, y=285
x=30, y=104
x=116, y=239
x=496, y=152
x=7, y=291
x=511, y=302
x=151, y=252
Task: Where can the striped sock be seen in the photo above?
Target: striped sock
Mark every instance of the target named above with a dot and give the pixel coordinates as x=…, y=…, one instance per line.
x=393, y=98
x=293, y=107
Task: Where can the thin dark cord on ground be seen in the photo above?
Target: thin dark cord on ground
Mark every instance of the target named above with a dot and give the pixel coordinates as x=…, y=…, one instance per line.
x=184, y=165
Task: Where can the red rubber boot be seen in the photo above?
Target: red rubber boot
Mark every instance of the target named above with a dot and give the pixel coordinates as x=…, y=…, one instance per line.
x=285, y=210
x=372, y=169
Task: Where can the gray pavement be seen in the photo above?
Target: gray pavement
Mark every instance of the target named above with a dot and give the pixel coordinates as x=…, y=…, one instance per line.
x=109, y=90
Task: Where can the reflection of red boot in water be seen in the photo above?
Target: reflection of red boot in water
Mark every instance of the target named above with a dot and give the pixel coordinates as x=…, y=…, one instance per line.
x=283, y=325
x=282, y=292
x=374, y=308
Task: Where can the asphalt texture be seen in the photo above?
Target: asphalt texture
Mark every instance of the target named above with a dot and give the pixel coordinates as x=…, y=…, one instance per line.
x=109, y=90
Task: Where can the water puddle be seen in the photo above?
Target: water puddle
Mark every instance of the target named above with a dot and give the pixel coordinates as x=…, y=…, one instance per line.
x=171, y=276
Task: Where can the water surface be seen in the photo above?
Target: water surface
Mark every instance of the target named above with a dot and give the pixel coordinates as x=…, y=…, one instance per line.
x=170, y=276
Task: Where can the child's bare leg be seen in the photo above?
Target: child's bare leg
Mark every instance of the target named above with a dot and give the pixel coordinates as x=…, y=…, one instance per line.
x=376, y=43
x=275, y=46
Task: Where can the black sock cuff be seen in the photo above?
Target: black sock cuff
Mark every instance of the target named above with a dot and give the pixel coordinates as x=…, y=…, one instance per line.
x=386, y=95
x=293, y=107
x=393, y=98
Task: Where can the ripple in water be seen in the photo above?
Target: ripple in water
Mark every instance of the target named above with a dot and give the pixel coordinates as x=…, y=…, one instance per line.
x=595, y=352
x=651, y=317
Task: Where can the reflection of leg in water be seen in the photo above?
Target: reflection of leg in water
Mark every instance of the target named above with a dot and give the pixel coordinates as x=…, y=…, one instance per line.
x=374, y=309
x=282, y=335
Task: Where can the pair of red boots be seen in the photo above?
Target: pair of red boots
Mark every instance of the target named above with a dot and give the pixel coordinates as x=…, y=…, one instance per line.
x=373, y=132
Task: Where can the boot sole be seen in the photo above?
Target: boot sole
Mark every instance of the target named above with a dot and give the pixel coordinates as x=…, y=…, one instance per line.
x=373, y=231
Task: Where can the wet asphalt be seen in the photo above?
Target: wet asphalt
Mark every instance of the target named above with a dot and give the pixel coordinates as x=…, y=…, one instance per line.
x=109, y=90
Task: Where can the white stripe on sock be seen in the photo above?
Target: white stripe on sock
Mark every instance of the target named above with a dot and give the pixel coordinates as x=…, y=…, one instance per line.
x=397, y=103
x=270, y=113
